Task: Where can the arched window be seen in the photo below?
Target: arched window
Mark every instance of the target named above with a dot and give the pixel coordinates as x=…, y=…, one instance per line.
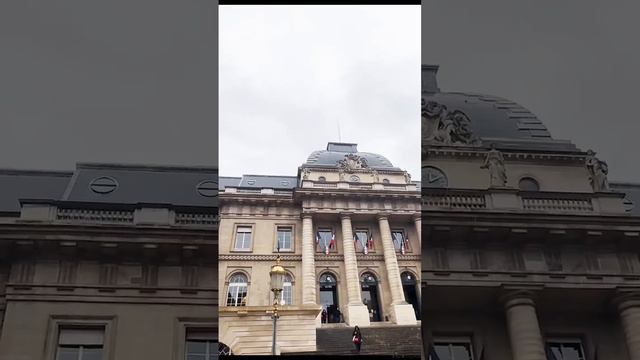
x=327, y=279
x=236, y=296
x=287, y=291
x=528, y=184
x=368, y=279
x=223, y=349
x=322, y=179
x=410, y=290
x=369, y=294
x=408, y=278
x=385, y=181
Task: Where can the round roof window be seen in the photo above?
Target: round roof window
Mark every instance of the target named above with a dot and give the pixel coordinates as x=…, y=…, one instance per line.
x=103, y=185
x=208, y=188
x=528, y=184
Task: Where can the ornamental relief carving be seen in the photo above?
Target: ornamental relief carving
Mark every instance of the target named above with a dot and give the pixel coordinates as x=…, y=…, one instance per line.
x=353, y=162
x=442, y=126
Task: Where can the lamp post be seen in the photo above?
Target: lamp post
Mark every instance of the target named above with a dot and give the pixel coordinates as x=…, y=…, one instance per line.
x=277, y=275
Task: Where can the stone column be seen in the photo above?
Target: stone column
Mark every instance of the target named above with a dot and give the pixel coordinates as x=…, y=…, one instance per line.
x=629, y=309
x=357, y=313
x=417, y=221
x=402, y=312
x=522, y=323
x=308, y=261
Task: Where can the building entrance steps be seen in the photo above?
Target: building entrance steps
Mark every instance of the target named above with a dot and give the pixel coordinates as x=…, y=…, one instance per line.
x=379, y=339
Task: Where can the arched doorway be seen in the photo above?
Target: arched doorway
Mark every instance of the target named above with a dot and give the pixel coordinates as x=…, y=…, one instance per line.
x=369, y=291
x=329, y=299
x=409, y=286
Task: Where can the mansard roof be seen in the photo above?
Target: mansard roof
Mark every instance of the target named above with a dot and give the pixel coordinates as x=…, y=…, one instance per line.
x=178, y=186
x=494, y=119
x=336, y=151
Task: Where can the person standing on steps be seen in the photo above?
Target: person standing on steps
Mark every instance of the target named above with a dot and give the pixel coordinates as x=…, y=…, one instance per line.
x=357, y=338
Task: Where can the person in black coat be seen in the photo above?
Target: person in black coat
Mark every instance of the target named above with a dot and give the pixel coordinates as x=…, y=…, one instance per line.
x=357, y=338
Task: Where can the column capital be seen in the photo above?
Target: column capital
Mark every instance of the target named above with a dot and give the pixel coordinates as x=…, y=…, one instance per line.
x=307, y=215
x=626, y=298
x=416, y=216
x=525, y=295
x=346, y=214
x=382, y=215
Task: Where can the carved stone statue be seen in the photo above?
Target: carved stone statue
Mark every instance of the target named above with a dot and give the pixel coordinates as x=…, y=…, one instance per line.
x=441, y=126
x=376, y=176
x=342, y=173
x=353, y=162
x=305, y=173
x=598, y=171
x=494, y=162
x=407, y=177
x=432, y=113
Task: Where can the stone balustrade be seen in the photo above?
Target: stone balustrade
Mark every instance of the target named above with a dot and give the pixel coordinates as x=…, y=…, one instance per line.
x=357, y=186
x=505, y=199
x=51, y=212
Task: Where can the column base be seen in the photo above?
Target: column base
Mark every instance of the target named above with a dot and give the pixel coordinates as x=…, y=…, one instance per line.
x=357, y=314
x=403, y=314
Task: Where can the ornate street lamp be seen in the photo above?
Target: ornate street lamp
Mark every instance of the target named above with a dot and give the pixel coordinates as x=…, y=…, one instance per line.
x=277, y=274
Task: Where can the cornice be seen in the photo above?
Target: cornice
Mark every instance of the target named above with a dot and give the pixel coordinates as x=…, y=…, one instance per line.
x=529, y=219
x=41, y=230
x=471, y=153
x=318, y=257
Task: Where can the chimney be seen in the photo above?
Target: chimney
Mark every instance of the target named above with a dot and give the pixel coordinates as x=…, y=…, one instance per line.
x=429, y=80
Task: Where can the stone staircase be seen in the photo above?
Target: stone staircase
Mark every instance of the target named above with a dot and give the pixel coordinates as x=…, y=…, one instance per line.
x=380, y=339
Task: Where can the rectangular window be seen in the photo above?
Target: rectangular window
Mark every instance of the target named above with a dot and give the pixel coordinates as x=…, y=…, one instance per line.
x=323, y=239
x=362, y=239
x=451, y=349
x=285, y=238
x=243, y=238
x=201, y=345
x=399, y=240
x=80, y=343
x=565, y=349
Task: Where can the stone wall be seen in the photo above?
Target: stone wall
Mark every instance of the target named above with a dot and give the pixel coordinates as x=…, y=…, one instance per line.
x=137, y=331
x=251, y=332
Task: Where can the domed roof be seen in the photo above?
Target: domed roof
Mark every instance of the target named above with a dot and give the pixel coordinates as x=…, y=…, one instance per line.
x=493, y=119
x=336, y=152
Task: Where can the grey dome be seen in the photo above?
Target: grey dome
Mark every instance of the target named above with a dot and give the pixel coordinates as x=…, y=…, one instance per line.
x=494, y=119
x=337, y=151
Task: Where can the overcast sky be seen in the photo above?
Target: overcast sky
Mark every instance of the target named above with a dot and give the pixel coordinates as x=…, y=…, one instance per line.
x=290, y=74
x=131, y=81
x=574, y=63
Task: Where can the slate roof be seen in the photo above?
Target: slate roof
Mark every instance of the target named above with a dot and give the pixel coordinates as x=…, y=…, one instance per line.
x=228, y=181
x=336, y=152
x=175, y=186
x=260, y=182
x=495, y=119
x=22, y=184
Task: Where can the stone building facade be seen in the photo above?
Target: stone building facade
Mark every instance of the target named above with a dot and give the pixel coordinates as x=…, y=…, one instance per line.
x=347, y=229
x=529, y=253
x=108, y=262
